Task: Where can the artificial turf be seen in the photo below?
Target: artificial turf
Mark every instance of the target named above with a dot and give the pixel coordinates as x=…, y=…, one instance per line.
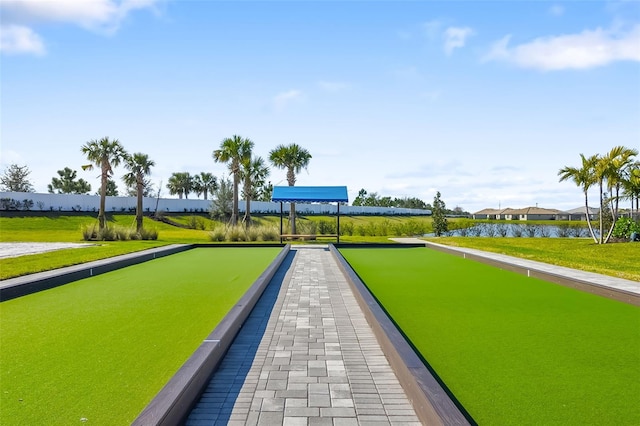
x=99, y=349
x=512, y=349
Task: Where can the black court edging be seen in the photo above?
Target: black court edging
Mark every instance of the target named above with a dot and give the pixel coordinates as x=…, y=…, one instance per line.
x=430, y=400
x=172, y=404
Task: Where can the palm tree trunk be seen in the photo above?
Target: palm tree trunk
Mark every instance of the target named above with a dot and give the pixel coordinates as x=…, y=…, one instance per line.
x=247, y=206
x=614, y=214
x=234, y=213
x=586, y=205
x=139, y=207
x=601, y=216
x=103, y=198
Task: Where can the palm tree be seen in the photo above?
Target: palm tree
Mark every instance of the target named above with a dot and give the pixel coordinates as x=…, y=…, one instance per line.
x=180, y=183
x=233, y=151
x=584, y=178
x=613, y=167
x=294, y=158
x=204, y=183
x=253, y=172
x=106, y=154
x=631, y=187
x=139, y=166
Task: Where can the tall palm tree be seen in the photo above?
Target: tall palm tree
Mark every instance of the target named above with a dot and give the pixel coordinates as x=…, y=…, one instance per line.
x=106, y=154
x=204, y=183
x=584, y=178
x=631, y=187
x=293, y=158
x=139, y=166
x=253, y=171
x=180, y=183
x=233, y=151
x=615, y=167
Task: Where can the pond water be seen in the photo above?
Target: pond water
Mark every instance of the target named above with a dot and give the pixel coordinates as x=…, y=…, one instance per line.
x=520, y=230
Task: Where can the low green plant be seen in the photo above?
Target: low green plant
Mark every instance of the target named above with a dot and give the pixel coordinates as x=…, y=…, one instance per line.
x=236, y=234
x=269, y=233
x=625, y=226
x=253, y=233
x=346, y=228
x=148, y=234
x=107, y=233
x=218, y=234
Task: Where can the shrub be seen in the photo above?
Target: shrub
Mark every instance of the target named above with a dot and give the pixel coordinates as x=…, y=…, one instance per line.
x=253, y=234
x=383, y=227
x=89, y=232
x=106, y=234
x=122, y=234
x=326, y=227
x=269, y=233
x=625, y=226
x=217, y=234
x=236, y=233
x=346, y=228
x=148, y=234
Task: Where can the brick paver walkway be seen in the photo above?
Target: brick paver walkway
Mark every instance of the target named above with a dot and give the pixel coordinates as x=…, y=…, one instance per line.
x=306, y=358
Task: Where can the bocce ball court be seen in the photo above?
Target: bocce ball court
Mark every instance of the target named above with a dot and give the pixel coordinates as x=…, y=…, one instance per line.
x=506, y=348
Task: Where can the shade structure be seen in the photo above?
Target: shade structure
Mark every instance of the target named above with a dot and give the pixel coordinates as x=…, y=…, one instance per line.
x=310, y=194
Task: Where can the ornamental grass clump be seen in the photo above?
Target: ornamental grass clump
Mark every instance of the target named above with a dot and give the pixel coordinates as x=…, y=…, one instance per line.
x=218, y=234
x=269, y=233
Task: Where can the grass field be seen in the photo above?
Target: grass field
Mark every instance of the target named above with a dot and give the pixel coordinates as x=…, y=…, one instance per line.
x=102, y=347
x=513, y=350
x=618, y=259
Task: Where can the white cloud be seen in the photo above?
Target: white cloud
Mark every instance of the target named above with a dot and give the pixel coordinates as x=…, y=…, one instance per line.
x=556, y=10
x=281, y=100
x=455, y=37
x=20, y=16
x=588, y=49
x=17, y=39
x=333, y=86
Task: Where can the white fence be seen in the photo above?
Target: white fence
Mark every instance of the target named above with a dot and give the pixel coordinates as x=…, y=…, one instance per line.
x=73, y=202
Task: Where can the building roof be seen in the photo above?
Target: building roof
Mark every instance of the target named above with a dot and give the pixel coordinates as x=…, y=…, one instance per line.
x=490, y=211
x=310, y=194
x=531, y=210
x=582, y=210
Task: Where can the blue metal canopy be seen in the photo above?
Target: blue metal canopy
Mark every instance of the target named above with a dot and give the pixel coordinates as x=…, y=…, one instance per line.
x=310, y=194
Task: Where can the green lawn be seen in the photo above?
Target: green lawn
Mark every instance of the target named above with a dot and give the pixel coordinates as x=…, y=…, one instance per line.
x=616, y=259
x=513, y=350
x=101, y=348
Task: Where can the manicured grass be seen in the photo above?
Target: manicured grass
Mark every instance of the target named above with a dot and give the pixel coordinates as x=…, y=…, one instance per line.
x=101, y=348
x=513, y=350
x=29, y=264
x=615, y=259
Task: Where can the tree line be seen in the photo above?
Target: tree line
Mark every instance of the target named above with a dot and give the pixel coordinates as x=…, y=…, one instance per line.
x=372, y=199
x=616, y=176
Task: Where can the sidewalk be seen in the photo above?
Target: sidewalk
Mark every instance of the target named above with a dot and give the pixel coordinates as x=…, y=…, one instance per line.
x=305, y=356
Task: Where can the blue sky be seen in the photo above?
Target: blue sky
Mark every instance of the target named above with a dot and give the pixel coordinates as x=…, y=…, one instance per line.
x=482, y=101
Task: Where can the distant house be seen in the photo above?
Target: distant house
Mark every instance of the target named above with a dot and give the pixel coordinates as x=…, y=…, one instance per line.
x=579, y=213
x=530, y=213
x=487, y=214
x=527, y=213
